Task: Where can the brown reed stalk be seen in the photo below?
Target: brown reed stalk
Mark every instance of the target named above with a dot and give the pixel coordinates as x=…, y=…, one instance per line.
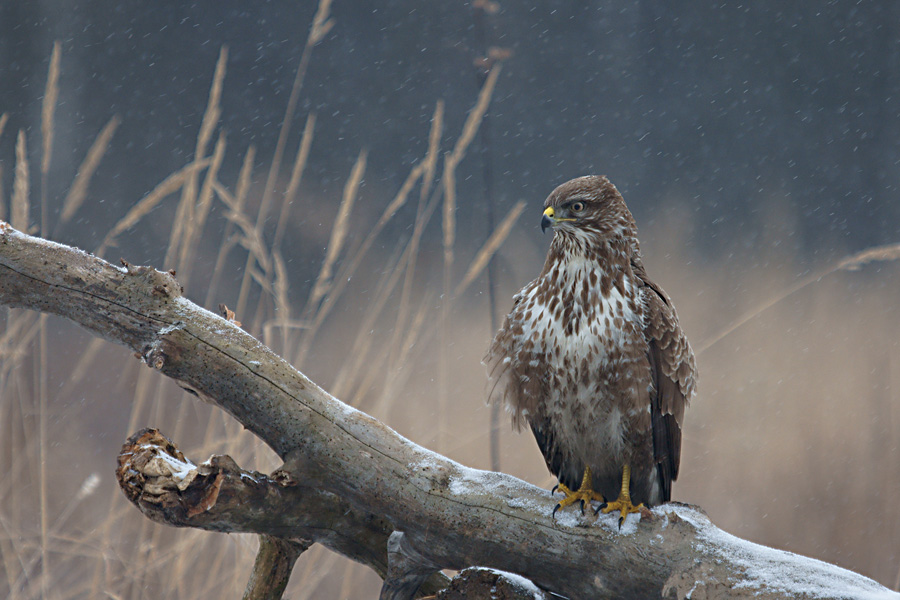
x=338, y=233
x=205, y=200
x=422, y=219
x=470, y=128
x=3, y=119
x=78, y=192
x=449, y=238
x=194, y=208
x=282, y=300
x=221, y=555
x=396, y=373
x=424, y=170
x=475, y=268
x=48, y=111
x=852, y=262
x=238, y=217
x=82, y=368
x=184, y=225
x=320, y=27
x=323, y=281
x=56, y=530
x=358, y=365
x=213, y=111
x=48, y=107
x=43, y=454
x=251, y=238
x=434, y=143
x=14, y=343
x=350, y=266
x=20, y=204
x=317, y=564
x=490, y=247
x=8, y=557
x=283, y=219
x=430, y=162
x=449, y=220
x=403, y=336
x=141, y=398
x=169, y=185
x=193, y=232
x=228, y=242
x=296, y=176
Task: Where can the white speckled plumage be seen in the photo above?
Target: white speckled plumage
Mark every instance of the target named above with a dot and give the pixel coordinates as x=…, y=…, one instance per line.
x=591, y=356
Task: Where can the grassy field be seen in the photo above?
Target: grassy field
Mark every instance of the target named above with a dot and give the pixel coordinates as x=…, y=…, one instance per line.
x=791, y=442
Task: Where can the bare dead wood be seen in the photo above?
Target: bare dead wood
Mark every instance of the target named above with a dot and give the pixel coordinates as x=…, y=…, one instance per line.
x=407, y=569
x=218, y=495
x=451, y=516
x=478, y=583
x=272, y=568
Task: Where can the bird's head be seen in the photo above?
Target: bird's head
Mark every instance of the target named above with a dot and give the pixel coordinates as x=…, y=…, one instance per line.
x=589, y=209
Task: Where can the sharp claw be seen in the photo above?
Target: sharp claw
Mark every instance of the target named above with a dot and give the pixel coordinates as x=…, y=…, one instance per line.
x=555, y=508
x=621, y=521
x=584, y=495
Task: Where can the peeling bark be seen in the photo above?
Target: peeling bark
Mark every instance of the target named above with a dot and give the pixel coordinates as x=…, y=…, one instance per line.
x=449, y=516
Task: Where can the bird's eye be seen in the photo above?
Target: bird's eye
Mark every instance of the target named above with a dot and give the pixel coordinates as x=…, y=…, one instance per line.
x=577, y=207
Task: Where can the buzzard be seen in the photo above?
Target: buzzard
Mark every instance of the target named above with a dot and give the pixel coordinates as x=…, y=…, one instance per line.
x=592, y=357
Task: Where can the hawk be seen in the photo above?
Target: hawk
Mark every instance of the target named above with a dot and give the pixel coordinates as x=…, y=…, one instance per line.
x=593, y=359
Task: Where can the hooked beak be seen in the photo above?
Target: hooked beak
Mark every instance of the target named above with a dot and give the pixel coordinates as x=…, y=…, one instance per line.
x=548, y=219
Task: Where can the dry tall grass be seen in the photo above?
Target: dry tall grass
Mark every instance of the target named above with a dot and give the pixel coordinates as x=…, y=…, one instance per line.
x=72, y=535
x=792, y=441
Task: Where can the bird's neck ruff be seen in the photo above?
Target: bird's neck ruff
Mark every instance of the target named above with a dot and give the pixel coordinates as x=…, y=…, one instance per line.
x=577, y=246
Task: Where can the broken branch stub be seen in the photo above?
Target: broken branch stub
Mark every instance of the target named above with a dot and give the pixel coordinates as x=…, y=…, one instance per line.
x=218, y=495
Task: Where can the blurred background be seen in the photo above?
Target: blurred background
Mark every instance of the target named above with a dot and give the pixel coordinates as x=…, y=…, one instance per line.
x=756, y=145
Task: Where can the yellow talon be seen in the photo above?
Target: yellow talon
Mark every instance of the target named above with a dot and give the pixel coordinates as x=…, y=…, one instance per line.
x=623, y=502
x=585, y=493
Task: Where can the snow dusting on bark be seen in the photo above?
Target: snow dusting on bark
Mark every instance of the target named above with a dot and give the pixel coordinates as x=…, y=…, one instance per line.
x=524, y=583
x=771, y=569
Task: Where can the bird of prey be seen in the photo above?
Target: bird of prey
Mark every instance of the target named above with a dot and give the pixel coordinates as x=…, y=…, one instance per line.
x=593, y=359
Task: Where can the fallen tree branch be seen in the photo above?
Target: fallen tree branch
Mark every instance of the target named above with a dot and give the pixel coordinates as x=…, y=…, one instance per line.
x=449, y=516
x=272, y=568
x=218, y=495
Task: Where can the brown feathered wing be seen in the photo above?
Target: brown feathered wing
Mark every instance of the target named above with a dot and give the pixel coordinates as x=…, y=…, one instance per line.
x=672, y=369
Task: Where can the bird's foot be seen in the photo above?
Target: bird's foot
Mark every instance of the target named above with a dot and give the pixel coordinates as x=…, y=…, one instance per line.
x=583, y=494
x=624, y=506
x=623, y=502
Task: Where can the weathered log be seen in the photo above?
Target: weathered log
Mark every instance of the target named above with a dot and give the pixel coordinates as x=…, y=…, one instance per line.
x=272, y=568
x=451, y=516
x=218, y=495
